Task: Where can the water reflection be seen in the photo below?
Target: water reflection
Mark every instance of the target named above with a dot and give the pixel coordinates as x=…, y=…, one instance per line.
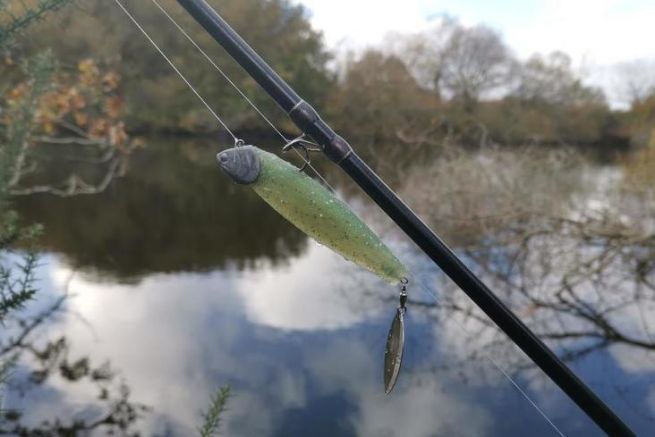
x=47, y=372
x=183, y=289
x=170, y=212
x=174, y=337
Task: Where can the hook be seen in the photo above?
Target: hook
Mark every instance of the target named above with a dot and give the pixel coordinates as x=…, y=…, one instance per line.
x=305, y=145
x=238, y=142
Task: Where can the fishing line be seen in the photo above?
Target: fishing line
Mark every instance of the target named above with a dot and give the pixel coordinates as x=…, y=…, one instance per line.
x=229, y=80
x=179, y=73
x=487, y=356
x=287, y=141
x=215, y=65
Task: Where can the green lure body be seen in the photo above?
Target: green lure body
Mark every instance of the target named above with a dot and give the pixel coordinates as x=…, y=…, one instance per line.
x=314, y=210
x=317, y=212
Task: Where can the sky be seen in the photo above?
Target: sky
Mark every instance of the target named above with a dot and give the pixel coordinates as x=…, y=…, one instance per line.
x=598, y=34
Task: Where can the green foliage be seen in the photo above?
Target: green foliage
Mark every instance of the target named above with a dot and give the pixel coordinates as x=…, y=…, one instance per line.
x=18, y=121
x=212, y=418
x=437, y=89
x=377, y=98
x=17, y=283
x=515, y=122
x=454, y=83
x=5, y=368
x=156, y=98
x=17, y=15
x=551, y=80
x=639, y=123
x=549, y=104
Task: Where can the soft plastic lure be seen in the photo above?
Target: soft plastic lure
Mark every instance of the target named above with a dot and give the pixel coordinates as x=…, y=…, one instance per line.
x=313, y=209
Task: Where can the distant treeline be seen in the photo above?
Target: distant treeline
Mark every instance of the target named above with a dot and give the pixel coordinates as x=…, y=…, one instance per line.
x=453, y=83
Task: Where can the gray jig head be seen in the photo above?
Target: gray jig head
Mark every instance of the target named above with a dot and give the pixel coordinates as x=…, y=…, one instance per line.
x=240, y=163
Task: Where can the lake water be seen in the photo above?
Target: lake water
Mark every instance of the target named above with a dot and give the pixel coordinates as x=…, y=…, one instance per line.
x=181, y=282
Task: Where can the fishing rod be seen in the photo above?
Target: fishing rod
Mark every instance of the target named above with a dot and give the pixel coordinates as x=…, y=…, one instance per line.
x=340, y=152
x=313, y=208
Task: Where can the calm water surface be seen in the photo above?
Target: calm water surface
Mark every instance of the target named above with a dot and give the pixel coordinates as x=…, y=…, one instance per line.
x=181, y=282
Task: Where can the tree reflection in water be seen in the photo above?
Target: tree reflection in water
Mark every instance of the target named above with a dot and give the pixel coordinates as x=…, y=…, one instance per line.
x=568, y=246
x=146, y=222
x=579, y=279
x=23, y=344
x=575, y=264
x=173, y=211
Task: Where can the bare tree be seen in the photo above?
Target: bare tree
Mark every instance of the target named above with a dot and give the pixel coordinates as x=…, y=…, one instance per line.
x=552, y=80
x=474, y=61
x=458, y=61
x=578, y=265
x=422, y=52
x=636, y=80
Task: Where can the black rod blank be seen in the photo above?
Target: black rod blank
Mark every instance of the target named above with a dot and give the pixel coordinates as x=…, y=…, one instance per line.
x=340, y=151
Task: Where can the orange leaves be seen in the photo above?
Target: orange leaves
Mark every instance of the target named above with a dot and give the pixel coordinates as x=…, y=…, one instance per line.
x=110, y=81
x=103, y=129
x=48, y=127
x=63, y=101
x=113, y=106
x=81, y=118
x=16, y=93
x=98, y=128
x=58, y=105
x=88, y=72
x=117, y=135
x=84, y=102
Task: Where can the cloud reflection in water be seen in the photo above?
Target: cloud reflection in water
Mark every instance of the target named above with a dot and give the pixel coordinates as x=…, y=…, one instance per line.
x=288, y=341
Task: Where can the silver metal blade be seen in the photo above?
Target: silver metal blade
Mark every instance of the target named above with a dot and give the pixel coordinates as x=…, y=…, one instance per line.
x=393, y=353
